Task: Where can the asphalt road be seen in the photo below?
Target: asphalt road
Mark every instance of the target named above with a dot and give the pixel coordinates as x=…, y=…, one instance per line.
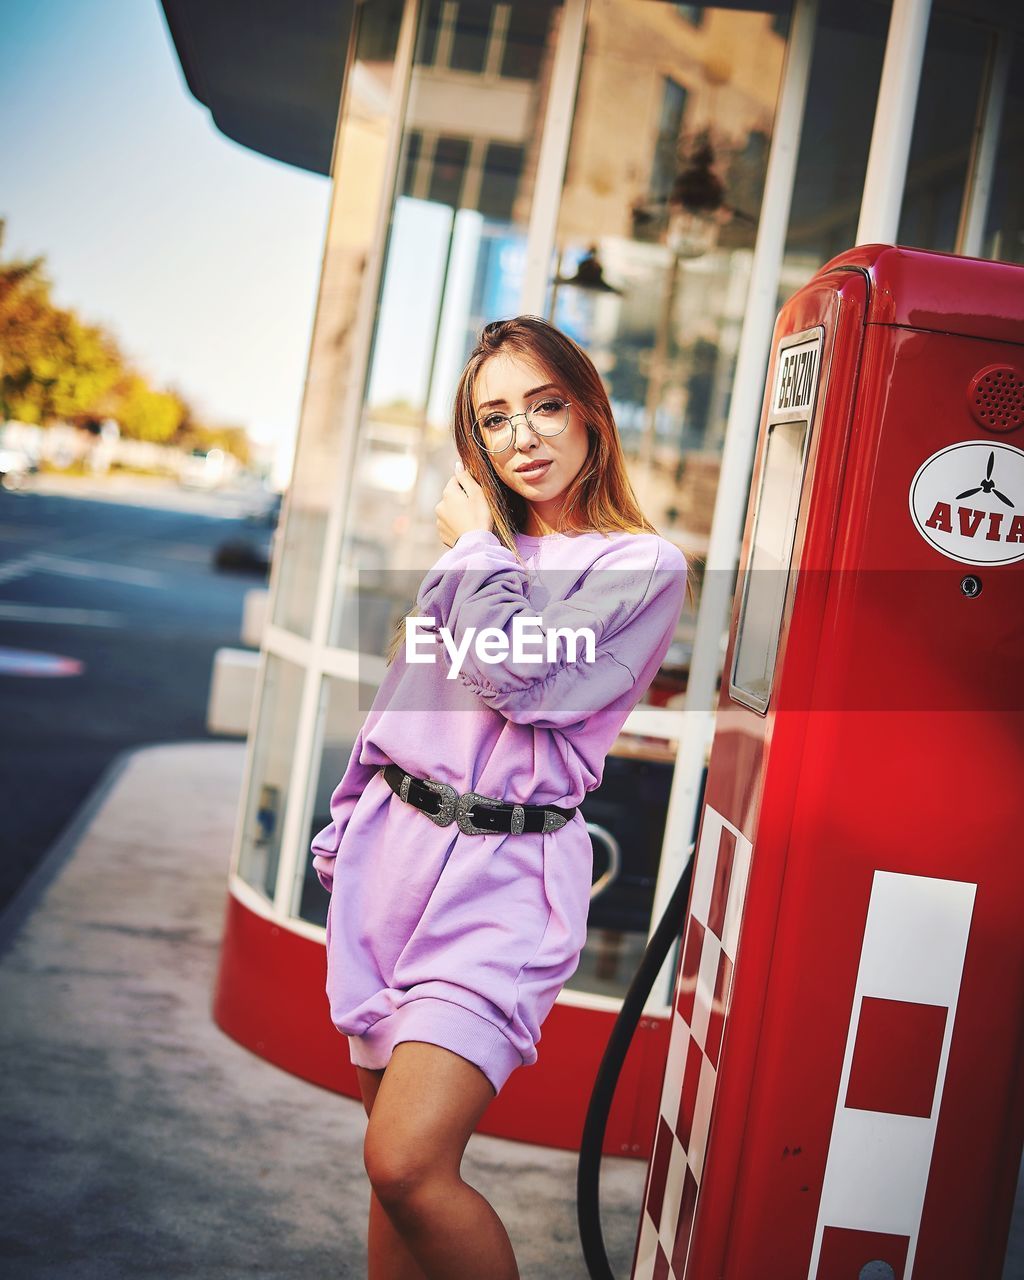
x=128, y=597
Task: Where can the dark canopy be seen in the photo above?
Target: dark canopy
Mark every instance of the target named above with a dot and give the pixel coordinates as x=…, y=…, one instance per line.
x=270, y=71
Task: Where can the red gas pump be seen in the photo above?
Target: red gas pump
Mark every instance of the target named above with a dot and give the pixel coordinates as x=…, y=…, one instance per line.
x=843, y=1093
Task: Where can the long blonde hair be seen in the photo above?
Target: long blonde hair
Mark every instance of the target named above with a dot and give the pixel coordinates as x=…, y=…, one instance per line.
x=600, y=499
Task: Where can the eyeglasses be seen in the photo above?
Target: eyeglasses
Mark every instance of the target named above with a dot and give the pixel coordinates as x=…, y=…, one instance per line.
x=494, y=432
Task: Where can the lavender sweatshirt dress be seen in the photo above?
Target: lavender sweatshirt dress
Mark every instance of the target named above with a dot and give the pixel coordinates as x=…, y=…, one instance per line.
x=460, y=940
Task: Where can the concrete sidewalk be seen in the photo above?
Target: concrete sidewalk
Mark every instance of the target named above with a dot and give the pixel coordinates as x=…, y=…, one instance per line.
x=139, y=1139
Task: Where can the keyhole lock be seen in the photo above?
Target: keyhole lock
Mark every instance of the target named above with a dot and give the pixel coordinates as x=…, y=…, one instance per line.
x=971, y=586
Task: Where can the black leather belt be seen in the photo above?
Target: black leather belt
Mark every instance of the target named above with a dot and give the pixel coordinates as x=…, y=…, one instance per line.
x=476, y=815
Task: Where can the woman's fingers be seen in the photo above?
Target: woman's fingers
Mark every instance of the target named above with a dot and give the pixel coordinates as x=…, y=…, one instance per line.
x=463, y=506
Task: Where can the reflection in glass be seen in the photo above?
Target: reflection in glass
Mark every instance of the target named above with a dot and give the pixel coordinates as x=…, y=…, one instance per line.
x=944, y=126
x=661, y=200
x=829, y=179
x=358, y=172
x=273, y=753
x=1004, y=229
x=454, y=260
x=651, y=270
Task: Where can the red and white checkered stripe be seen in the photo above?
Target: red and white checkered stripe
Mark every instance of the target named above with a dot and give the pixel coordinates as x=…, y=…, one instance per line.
x=703, y=988
x=894, y=1069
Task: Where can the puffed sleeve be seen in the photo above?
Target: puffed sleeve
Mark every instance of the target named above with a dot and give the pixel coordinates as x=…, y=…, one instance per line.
x=325, y=843
x=630, y=599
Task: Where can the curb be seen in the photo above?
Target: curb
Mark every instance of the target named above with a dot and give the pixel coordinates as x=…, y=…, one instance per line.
x=34, y=886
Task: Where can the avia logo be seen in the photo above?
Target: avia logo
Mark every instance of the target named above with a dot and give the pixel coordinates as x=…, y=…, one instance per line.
x=988, y=485
x=979, y=523
x=970, y=520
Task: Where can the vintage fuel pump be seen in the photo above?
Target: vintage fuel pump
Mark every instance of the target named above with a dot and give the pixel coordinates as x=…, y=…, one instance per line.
x=843, y=1094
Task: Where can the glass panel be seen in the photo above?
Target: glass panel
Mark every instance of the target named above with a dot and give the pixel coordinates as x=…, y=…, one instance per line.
x=944, y=126
x=273, y=753
x=454, y=260
x=829, y=178
x=654, y=246
x=662, y=195
x=1004, y=230
x=469, y=35
x=341, y=714
x=666, y=167
x=626, y=820
x=764, y=585
x=525, y=39
x=663, y=168
x=503, y=169
x=358, y=175
x=430, y=30
x=448, y=172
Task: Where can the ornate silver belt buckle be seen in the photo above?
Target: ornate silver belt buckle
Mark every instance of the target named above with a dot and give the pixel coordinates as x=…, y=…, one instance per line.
x=466, y=824
x=449, y=800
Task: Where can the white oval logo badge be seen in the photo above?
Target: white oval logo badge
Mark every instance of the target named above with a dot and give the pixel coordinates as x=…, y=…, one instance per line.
x=967, y=501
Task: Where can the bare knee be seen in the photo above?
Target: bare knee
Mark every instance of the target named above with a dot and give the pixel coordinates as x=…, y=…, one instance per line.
x=400, y=1173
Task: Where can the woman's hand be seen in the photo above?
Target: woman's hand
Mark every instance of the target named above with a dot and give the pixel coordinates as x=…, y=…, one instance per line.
x=463, y=507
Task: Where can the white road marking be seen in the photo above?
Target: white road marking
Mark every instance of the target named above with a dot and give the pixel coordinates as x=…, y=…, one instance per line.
x=17, y=568
x=10, y=612
x=45, y=562
x=108, y=572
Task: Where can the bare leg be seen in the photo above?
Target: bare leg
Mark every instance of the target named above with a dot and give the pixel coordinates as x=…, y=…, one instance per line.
x=429, y=1101
x=389, y=1255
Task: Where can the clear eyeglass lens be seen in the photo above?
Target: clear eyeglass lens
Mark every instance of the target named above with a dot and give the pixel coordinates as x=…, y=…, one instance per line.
x=494, y=430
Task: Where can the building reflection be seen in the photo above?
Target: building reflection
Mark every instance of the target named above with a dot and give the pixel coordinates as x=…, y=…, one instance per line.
x=674, y=102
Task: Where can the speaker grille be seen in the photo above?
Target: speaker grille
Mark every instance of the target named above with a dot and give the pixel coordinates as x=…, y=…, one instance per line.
x=996, y=397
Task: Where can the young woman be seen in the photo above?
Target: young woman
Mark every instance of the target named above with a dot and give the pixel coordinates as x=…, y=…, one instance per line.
x=454, y=921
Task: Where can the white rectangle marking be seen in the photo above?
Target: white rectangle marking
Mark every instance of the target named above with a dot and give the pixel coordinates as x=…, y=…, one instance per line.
x=737, y=896
x=879, y=1183
x=707, y=971
x=915, y=938
x=704, y=867
x=701, y=1118
x=913, y=949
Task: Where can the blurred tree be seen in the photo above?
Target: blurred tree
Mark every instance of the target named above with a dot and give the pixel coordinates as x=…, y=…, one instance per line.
x=145, y=414
x=87, y=367
x=27, y=336
x=53, y=367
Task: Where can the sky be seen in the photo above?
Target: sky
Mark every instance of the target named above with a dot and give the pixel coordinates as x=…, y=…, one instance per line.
x=201, y=257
